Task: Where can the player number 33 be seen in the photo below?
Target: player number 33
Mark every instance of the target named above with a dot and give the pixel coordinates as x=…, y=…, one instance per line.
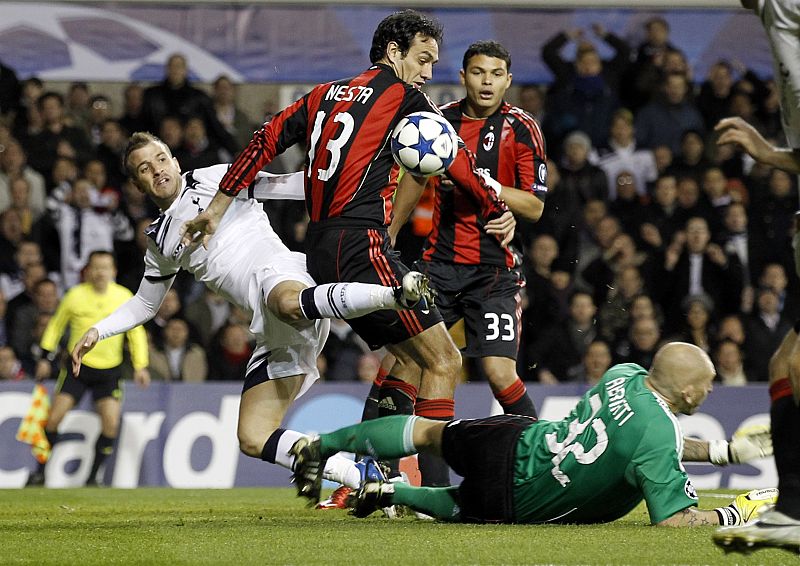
x=499, y=326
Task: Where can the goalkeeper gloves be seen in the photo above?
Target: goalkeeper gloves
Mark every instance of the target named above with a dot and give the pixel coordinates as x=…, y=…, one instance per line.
x=748, y=443
x=746, y=507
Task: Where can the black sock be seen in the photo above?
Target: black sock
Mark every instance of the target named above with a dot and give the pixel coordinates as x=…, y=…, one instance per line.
x=371, y=404
x=270, y=449
x=515, y=400
x=103, y=448
x=396, y=397
x=785, y=417
x=434, y=470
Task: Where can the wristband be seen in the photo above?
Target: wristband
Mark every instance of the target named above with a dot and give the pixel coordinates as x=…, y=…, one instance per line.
x=718, y=452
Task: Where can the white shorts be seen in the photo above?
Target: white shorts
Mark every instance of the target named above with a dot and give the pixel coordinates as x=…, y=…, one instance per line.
x=283, y=350
x=781, y=19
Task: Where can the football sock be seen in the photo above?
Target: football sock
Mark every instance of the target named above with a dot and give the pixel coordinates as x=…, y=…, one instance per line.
x=396, y=397
x=371, y=404
x=337, y=468
x=390, y=437
x=438, y=502
x=785, y=417
x=433, y=469
x=52, y=438
x=103, y=448
x=515, y=400
x=345, y=300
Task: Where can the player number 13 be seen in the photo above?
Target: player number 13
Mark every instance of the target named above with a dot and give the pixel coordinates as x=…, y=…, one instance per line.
x=334, y=145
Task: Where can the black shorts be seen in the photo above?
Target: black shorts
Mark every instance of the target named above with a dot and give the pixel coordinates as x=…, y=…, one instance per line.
x=486, y=297
x=482, y=452
x=102, y=382
x=364, y=255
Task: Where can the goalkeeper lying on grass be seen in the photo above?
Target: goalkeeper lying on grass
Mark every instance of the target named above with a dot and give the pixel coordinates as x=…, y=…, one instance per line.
x=622, y=443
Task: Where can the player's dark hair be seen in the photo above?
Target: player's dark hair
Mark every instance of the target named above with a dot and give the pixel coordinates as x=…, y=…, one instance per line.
x=488, y=48
x=402, y=27
x=137, y=141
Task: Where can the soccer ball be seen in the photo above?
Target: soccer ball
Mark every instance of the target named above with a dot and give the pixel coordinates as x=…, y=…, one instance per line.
x=424, y=143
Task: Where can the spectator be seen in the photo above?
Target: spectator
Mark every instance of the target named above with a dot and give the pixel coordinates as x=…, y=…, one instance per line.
x=12, y=282
x=20, y=201
x=171, y=132
x=230, y=351
x=714, y=99
x=643, y=76
x=697, y=322
x=208, y=314
x=664, y=120
x=661, y=219
x=99, y=112
x=730, y=364
x=132, y=119
x=177, y=358
x=13, y=164
x=57, y=138
x=585, y=93
x=561, y=348
x=691, y=161
x=693, y=265
x=82, y=228
x=739, y=239
x=10, y=91
x=44, y=302
x=773, y=276
x=531, y=99
x=596, y=360
x=28, y=120
x=603, y=272
x=716, y=198
x=614, y=314
x=176, y=96
x=580, y=180
x=644, y=338
x=170, y=307
x=664, y=157
x=110, y=151
x=197, y=150
x=731, y=327
x=10, y=237
x=628, y=206
x=232, y=118
x=620, y=154
x=76, y=112
x=773, y=213
x=542, y=311
x=605, y=233
x=765, y=329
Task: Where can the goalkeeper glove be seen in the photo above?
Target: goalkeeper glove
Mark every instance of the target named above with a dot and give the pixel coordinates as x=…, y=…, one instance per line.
x=746, y=507
x=748, y=443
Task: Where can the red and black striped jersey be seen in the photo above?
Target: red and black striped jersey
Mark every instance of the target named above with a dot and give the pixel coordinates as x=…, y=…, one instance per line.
x=510, y=147
x=346, y=126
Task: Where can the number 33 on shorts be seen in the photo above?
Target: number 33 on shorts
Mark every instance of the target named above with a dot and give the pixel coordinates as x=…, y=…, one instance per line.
x=500, y=326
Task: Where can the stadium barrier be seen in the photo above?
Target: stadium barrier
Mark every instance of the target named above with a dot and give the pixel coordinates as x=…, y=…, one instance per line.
x=184, y=435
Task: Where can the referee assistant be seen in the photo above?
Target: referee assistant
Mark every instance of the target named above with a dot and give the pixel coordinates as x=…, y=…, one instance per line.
x=81, y=307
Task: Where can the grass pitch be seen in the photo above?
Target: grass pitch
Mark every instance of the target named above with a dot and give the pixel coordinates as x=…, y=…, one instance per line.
x=272, y=526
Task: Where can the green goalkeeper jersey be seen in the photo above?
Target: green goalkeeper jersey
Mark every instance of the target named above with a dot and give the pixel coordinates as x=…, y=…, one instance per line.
x=620, y=444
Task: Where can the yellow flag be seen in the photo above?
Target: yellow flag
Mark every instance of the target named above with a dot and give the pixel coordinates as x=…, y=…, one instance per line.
x=31, y=429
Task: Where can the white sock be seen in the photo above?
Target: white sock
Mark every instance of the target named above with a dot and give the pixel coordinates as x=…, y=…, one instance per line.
x=345, y=300
x=285, y=442
x=342, y=470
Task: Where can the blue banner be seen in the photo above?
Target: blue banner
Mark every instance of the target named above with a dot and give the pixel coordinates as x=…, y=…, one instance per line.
x=312, y=44
x=184, y=435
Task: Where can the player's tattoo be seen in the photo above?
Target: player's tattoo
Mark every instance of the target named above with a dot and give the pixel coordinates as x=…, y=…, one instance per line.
x=692, y=518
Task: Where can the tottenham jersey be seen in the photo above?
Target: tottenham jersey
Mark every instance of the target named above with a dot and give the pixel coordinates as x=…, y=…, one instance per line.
x=227, y=267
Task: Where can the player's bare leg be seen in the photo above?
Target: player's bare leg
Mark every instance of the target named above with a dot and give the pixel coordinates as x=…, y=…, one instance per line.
x=261, y=411
x=60, y=407
x=507, y=387
x=295, y=302
x=110, y=410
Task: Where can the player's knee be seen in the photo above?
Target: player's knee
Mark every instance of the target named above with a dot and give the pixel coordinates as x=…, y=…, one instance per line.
x=286, y=306
x=249, y=445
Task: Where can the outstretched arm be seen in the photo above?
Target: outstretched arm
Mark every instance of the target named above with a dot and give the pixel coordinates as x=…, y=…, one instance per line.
x=138, y=310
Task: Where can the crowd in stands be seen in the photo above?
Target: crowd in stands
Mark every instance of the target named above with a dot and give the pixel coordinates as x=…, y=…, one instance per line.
x=650, y=232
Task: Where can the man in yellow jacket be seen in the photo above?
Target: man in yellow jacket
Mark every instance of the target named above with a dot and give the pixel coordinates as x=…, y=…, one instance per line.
x=81, y=307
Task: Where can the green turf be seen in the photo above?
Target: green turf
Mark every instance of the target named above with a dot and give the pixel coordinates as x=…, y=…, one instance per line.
x=271, y=526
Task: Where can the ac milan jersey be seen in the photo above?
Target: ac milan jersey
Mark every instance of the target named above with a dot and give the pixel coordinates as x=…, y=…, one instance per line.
x=350, y=173
x=509, y=146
